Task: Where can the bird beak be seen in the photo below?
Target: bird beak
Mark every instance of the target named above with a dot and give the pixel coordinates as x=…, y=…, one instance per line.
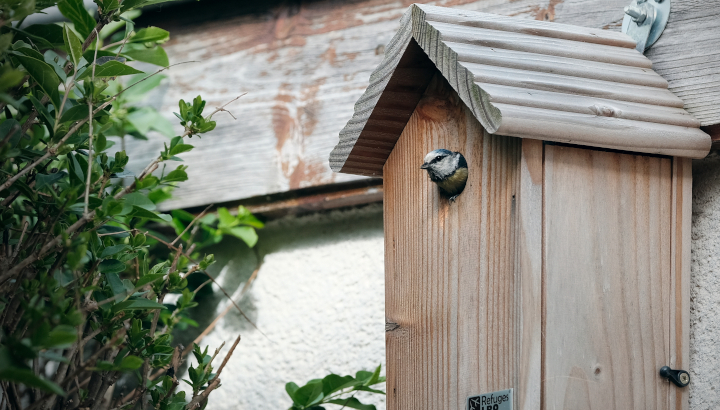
x=424, y=166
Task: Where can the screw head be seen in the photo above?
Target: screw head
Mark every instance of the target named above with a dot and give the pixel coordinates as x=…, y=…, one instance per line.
x=684, y=378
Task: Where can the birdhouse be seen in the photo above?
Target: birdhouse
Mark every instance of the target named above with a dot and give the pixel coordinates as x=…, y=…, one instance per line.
x=562, y=270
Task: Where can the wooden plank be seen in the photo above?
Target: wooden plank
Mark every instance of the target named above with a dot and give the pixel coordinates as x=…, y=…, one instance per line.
x=451, y=288
x=529, y=303
x=607, y=277
x=679, y=292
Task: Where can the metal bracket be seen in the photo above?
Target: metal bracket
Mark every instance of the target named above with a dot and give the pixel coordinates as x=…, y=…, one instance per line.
x=680, y=378
x=645, y=21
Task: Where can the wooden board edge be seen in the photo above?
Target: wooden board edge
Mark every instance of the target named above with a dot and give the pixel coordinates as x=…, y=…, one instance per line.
x=530, y=256
x=680, y=282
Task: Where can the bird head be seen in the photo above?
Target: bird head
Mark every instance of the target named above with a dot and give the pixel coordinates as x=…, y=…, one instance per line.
x=441, y=164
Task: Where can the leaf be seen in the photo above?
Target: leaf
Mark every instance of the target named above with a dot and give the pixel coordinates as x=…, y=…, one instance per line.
x=44, y=114
x=5, y=41
x=149, y=278
x=334, y=382
x=61, y=336
x=147, y=118
x=375, y=376
x=76, y=113
x=368, y=389
x=11, y=126
x=177, y=175
x=131, y=362
x=116, y=285
x=245, y=233
x=111, y=266
x=112, y=250
x=137, y=92
x=155, y=55
x=44, y=75
x=73, y=45
x=109, y=69
x=137, y=304
x=51, y=33
x=140, y=200
x=291, y=388
x=180, y=148
x=226, y=219
x=43, y=180
x=75, y=11
x=28, y=378
x=309, y=394
x=352, y=403
x=150, y=35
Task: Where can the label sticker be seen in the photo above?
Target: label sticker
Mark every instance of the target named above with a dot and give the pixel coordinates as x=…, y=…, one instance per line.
x=497, y=400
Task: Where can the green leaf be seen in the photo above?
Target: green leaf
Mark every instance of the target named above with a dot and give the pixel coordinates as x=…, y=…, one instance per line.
x=226, y=219
x=291, y=388
x=156, y=56
x=137, y=92
x=42, y=180
x=116, y=285
x=137, y=304
x=131, y=363
x=109, y=69
x=246, y=233
x=150, y=35
x=28, y=378
x=352, y=403
x=139, y=200
x=368, y=389
x=177, y=175
x=147, y=118
x=138, y=212
x=73, y=45
x=111, y=266
x=334, y=382
x=149, y=278
x=309, y=394
x=51, y=33
x=76, y=113
x=375, y=376
x=112, y=250
x=44, y=75
x=44, y=114
x=61, y=336
x=180, y=148
x=5, y=41
x=75, y=11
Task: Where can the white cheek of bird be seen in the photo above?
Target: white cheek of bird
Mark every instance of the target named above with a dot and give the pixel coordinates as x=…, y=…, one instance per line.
x=448, y=170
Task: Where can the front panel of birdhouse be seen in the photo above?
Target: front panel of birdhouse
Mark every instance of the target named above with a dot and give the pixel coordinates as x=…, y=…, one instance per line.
x=560, y=272
x=451, y=279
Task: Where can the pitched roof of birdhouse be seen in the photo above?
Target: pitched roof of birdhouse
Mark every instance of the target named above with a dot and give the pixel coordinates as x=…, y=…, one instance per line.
x=519, y=78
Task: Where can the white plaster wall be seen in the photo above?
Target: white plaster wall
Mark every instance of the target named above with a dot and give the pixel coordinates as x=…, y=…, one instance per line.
x=318, y=298
x=705, y=286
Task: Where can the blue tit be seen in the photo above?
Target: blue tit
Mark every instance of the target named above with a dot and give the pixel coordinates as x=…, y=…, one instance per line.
x=448, y=170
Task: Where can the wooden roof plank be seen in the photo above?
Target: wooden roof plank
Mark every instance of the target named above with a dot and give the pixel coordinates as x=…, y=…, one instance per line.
x=525, y=79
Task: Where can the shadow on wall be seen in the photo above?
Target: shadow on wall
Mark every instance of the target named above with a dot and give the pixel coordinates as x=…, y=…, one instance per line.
x=236, y=262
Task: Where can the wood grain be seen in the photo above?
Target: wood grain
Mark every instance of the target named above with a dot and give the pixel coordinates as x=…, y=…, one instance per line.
x=608, y=279
x=529, y=254
x=679, y=334
x=451, y=277
x=305, y=63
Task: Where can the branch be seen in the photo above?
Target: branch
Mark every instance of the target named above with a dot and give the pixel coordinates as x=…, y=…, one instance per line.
x=215, y=382
x=191, y=223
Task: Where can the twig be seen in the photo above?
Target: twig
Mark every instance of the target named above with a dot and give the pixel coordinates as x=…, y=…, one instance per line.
x=222, y=107
x=214, y=383
x=90, y=134
x=17, y=247
x=191, y=223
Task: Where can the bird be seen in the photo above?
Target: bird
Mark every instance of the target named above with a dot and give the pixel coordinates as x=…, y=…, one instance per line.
x=448, y=169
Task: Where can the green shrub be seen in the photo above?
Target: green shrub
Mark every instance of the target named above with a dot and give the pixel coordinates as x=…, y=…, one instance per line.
x=83, y=275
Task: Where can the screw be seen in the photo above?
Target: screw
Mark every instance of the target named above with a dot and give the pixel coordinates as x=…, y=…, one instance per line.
x=684, y=378
x=638, y=15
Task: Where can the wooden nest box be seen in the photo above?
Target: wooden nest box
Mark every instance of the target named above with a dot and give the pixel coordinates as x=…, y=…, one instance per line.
x=562, y=270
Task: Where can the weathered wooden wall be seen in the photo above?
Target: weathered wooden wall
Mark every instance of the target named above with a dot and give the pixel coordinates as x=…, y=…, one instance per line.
x=451, y=283
x=304, y=64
